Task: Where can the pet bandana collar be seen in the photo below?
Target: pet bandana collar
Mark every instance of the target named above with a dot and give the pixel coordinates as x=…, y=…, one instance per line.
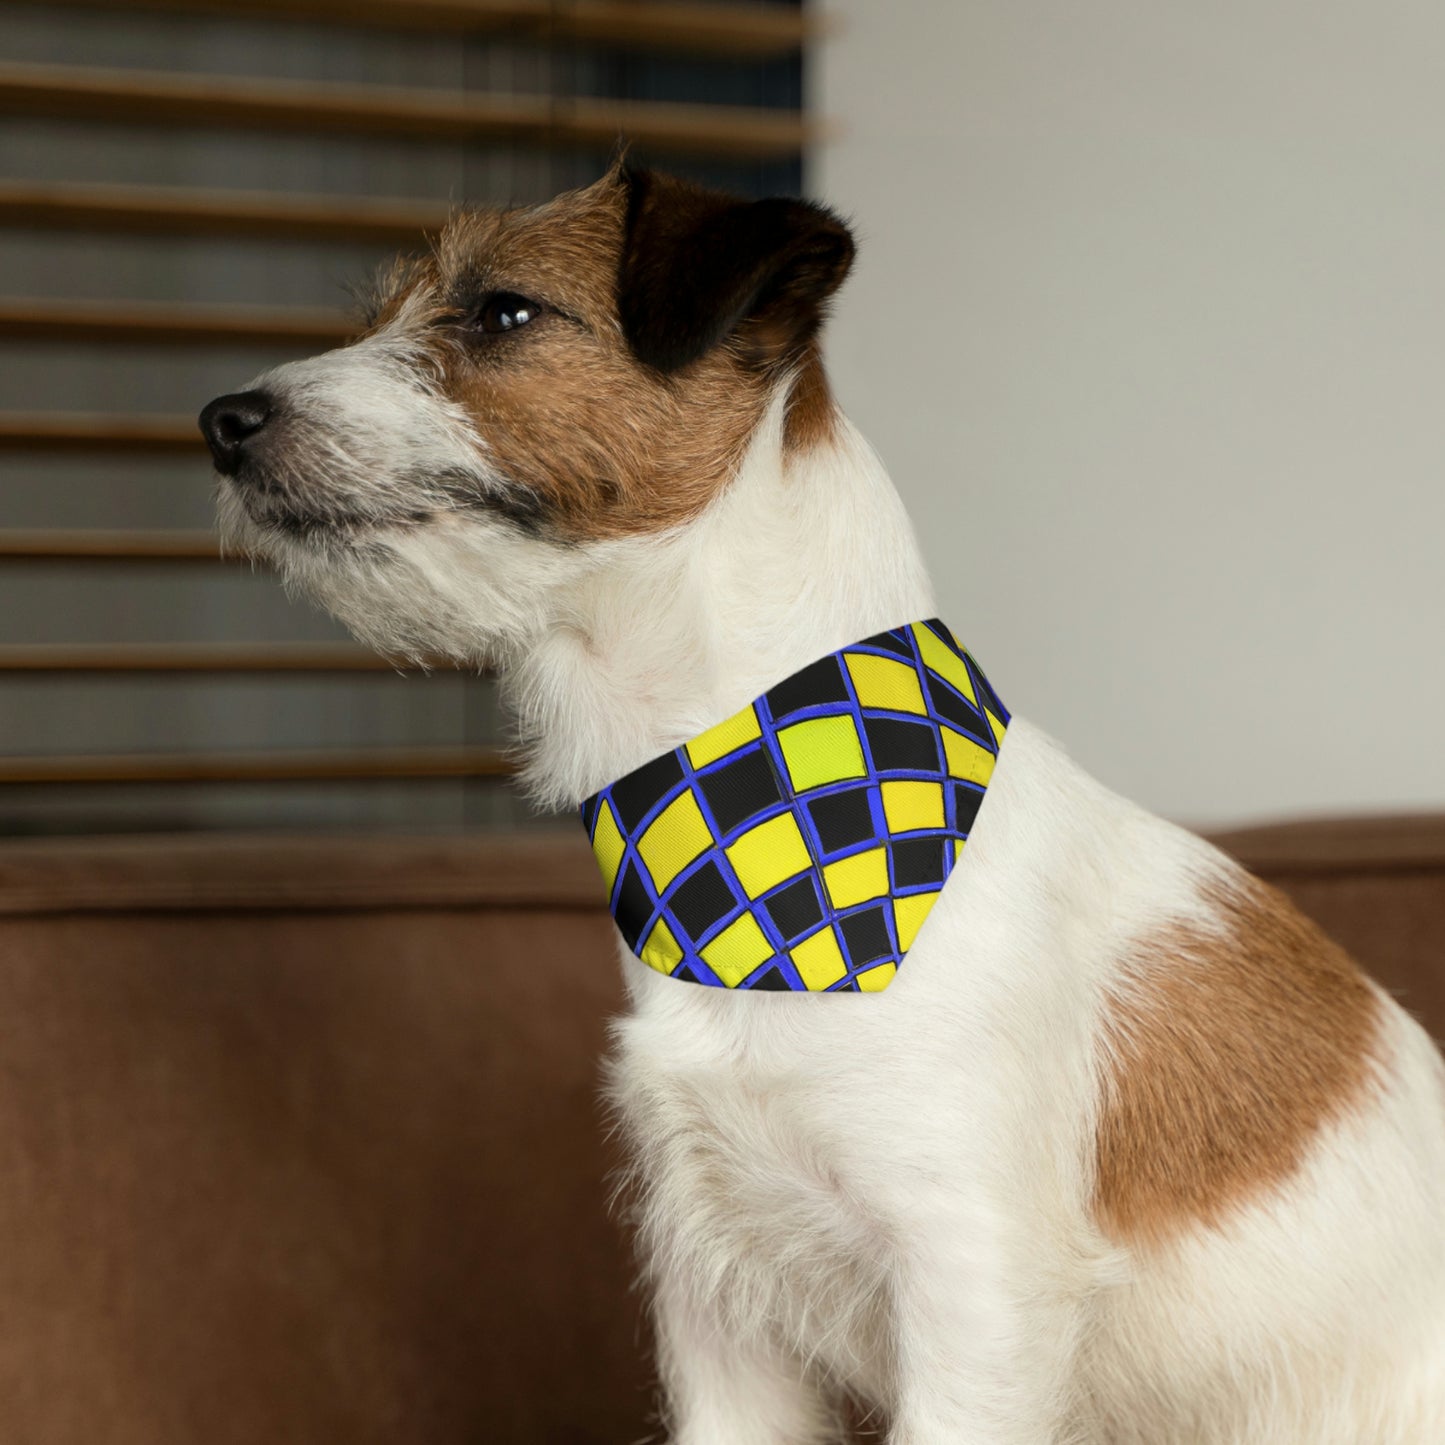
x=801, y=843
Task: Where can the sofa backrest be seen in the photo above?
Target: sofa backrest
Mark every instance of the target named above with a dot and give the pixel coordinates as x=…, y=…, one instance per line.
x=300, y=1142
x=300, y=1139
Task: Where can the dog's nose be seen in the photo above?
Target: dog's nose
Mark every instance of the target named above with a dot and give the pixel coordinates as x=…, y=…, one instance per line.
x=229, y=422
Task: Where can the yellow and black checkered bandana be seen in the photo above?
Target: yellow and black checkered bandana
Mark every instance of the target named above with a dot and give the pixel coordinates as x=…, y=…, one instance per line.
x=800, y=844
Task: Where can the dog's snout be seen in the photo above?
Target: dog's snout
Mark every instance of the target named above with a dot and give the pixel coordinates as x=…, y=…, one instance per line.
x=229, y=422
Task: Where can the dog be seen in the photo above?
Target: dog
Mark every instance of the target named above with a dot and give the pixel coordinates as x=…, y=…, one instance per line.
x=1115, y=1148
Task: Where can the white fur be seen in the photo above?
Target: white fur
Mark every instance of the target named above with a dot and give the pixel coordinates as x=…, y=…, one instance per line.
x=889, y=1195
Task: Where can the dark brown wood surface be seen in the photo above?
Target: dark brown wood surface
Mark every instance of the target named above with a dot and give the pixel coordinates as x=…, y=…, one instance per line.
x=300, y=871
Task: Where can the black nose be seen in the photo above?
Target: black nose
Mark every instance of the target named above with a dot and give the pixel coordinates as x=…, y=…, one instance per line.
x=229, y=422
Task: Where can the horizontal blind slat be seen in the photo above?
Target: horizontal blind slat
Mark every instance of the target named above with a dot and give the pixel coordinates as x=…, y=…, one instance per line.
x=110, y=546
x=175, y=210
x=205, y=657
x=315, y=107
x=98, y=431
x=721, y=29
x=355, y=765
x=171, y=323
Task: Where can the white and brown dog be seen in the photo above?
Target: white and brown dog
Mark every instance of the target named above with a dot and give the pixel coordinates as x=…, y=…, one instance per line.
x=1129, y=1152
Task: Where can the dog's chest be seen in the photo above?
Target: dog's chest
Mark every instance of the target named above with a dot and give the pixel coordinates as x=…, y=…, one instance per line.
x=750, y=1183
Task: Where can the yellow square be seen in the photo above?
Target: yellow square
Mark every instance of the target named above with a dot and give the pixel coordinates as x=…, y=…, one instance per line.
x=608, y=844
x=857, y=879
x=819, y=960
x=911, y=805
x=677, y=835
x=737, y=950
x=996, y=723
x=661, y=950
x=886, y=683
x=966, y=759
x=822, y=750
x=729, y=735
x=944, y=661
x=767, y=854
x=875, y=980
x=908, y=915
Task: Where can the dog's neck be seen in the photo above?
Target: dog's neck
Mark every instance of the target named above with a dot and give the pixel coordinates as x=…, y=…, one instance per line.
x=802, y=554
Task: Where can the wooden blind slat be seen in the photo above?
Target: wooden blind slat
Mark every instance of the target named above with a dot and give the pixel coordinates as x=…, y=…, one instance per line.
x=215, y=101
x=168, y=323
x=705, y=29
x=108, y=546
x=172, y=210
x=95, y=431
x=360, y=764
x=180, y=657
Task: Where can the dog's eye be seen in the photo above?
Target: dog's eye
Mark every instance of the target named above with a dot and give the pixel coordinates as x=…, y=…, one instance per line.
x=506, y=311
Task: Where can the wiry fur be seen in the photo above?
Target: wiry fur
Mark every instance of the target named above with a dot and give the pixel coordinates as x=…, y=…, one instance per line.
x=897, y=1197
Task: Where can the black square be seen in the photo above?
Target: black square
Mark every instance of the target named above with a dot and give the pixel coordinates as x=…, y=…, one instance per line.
x=705, y=899
x=741, y=789
x=819, y=682
x=983, y=688
x=898, y=643
x=919, y=861
x=956, y=712
x=907, y=746
x=842, y=819
x=590, y=809
x=966, y=802
x=634, y=906
x=866, y=937
x=771, y=980
x=634, y=795
x=795, y=909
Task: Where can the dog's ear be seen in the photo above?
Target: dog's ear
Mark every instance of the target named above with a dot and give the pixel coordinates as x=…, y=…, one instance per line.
x=699, y=267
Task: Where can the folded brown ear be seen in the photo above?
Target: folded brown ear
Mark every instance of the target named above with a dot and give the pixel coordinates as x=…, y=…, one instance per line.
x=699, y=267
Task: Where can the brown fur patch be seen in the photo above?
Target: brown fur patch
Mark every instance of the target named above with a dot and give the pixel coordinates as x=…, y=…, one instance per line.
x=812, y=412
x=599, y=446
x=596, y=443
x=1228, y=1053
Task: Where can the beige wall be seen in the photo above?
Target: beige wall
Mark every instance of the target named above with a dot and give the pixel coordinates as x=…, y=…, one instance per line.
x=1149, y=324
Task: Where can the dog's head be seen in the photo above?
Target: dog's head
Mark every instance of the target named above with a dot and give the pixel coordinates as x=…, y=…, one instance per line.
x=547, y=382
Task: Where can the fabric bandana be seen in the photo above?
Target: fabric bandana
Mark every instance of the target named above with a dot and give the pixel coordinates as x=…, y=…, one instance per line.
x=801, y=843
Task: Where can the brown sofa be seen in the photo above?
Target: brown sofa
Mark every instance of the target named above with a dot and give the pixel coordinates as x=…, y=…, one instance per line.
x=299, y=1139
